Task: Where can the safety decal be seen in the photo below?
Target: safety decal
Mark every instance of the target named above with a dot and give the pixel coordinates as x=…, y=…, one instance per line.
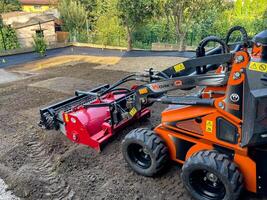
x=143, y=91
x=179, y=67
x=209, y=126
x=259, y=67
x=133, y=111
x=66, y=117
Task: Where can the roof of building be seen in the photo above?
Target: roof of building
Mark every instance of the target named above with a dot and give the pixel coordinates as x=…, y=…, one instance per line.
x=37, y=2
x=40, y=19
x=13, y=14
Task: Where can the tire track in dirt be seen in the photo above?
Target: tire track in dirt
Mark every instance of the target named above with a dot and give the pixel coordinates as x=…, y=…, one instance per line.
x=55, y=186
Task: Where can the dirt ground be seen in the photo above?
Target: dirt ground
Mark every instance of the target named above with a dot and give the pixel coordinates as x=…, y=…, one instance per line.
x=37, y=164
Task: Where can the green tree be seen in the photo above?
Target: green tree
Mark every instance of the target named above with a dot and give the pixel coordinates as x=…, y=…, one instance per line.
x=247, y=13
x=105, y=7
x=8, y=37
x=9, y=6
x=91, y=9
x=74, y=16
x=11, y=38
x=135, y=13
x=185, y=14
x=109, y=30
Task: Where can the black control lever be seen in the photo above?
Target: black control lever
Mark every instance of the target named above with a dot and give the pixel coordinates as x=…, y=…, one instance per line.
x=189, y=100
x=155, y=75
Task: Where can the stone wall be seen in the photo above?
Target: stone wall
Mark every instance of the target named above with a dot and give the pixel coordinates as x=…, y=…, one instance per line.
x=164, y=47
x=25, y=35
x=170, y=47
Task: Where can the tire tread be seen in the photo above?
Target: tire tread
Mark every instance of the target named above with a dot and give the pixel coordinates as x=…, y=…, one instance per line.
x=220, y=163
x=154, y=143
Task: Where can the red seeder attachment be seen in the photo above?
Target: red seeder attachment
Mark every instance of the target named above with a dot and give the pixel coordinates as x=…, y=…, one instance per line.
x=92, y=125
x=92, y=118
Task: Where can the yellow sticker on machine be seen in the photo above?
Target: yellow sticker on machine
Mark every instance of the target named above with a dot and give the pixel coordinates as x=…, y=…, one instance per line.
x=259, y=67
x=143, y=91
x=209, y=126
x=179, y=67
x=133, y=111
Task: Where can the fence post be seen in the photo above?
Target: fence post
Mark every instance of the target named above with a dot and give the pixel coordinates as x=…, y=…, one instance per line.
x=191, y=39
x=87, y=30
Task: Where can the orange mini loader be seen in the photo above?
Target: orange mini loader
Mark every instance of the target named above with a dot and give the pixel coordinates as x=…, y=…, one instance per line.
x=220, y=135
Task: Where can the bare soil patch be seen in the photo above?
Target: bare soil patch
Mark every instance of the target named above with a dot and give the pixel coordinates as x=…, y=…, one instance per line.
x=62, y=84
x=39, y=164
x=6, y=77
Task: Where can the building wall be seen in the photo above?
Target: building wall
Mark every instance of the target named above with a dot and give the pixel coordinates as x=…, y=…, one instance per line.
x=19, y=18
x=25, y=35
x=35, y=8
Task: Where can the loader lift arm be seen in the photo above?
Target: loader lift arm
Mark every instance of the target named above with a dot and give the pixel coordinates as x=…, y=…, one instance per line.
x=154, y=91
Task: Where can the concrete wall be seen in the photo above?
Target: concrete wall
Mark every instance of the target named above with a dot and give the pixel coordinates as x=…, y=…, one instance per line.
x=25, y=35
x=164, y=46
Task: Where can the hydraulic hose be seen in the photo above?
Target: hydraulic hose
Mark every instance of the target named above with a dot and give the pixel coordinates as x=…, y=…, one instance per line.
x=120, y=82
x=200, y=52
x=243, y=32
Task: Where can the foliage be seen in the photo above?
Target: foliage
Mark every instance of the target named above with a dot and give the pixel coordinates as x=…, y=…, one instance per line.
x=139, y=23
x=90, y=7
x=247, y=13
x=142, y=22
x=10, y=38
x=74, y=15
x=135, y=13
x=188, y=15
x=40, y=45
x=108, y=30
x=153, y=32
x=9, y=6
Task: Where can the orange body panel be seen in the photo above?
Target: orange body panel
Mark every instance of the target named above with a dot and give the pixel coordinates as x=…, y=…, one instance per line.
x=171, y=129
x=256, y=51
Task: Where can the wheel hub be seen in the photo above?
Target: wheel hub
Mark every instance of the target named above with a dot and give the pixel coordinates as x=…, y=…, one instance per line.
x=212, y=177
x=140, y=155
x=145, y=151
x=207, y=184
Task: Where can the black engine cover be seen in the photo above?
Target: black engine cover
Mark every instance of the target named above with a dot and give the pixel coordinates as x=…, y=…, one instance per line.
x=255, y=109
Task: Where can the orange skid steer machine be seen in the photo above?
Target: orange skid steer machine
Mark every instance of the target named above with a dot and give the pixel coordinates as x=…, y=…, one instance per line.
x=220, y=136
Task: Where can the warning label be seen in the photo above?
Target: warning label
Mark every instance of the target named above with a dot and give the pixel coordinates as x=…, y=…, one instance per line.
x=259, y=67
x=133, y=112
x=209, y=126
x=179, y=67
x=143, y=91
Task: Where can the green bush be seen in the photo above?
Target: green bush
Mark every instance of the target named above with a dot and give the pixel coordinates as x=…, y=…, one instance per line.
x=39, y=45
x=10, y=38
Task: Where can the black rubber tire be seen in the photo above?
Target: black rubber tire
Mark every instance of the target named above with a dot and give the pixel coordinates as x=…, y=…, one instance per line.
x=153, y=147
x=219, y=165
